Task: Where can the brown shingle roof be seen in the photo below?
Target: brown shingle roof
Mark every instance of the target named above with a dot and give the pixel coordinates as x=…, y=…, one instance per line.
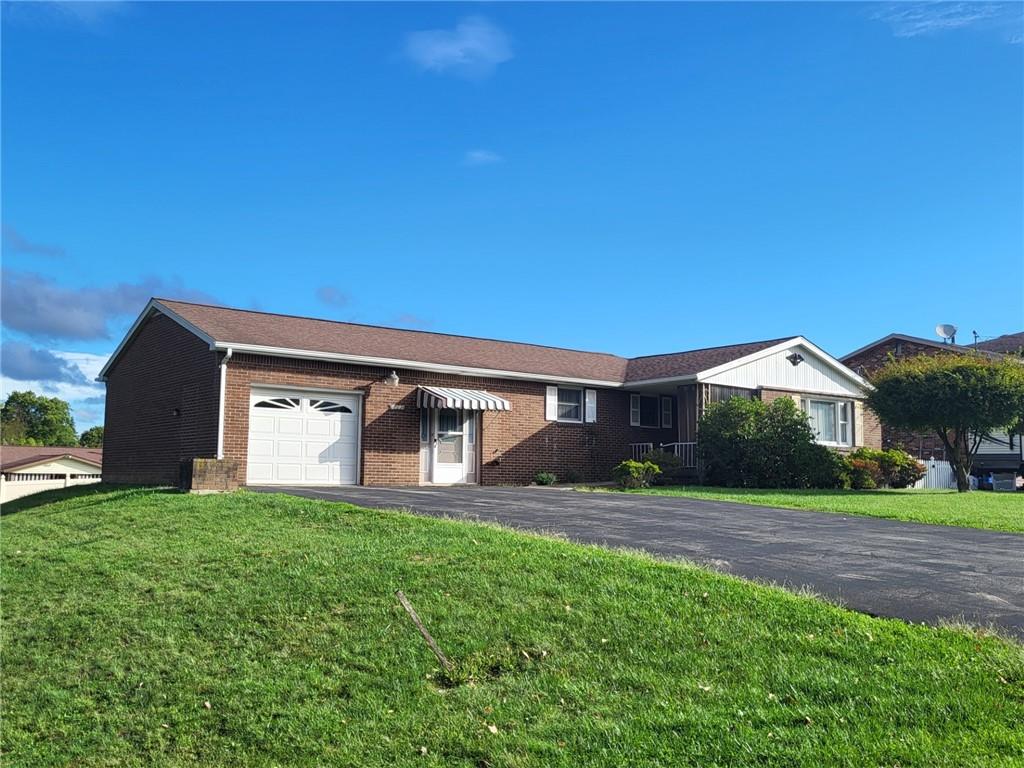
x=14, y=456
x=287, y=331
x=237, y=326
x=1007, y=343
x=693, y=361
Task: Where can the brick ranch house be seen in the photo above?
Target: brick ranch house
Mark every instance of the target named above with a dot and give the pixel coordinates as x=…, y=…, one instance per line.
x=263, y=399
x=998, y=453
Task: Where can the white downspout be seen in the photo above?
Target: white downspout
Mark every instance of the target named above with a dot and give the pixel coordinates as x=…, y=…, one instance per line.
x=220, y=404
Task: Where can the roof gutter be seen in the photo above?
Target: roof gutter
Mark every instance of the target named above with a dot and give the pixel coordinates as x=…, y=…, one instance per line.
x=221, y=401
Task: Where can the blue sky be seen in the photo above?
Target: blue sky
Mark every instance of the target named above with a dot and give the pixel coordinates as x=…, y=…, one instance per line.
x=623, y=178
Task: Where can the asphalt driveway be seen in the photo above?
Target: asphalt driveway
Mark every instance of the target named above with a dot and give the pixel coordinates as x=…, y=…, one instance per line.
x=911, y=571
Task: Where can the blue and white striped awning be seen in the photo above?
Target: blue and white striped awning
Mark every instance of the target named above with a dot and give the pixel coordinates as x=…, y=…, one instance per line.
x=470, y=399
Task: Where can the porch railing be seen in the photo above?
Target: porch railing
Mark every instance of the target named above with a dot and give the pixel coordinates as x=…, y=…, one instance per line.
x=638, y=450
x=687, y=453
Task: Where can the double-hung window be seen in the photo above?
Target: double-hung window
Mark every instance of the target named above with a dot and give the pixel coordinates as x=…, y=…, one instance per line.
x=830, y=420
x=570, y=404
x=650, y=411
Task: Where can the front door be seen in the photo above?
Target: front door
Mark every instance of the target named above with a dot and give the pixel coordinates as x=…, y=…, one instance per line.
x=449, y=446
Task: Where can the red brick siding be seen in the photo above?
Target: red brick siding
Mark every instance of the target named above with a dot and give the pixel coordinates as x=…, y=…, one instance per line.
x=164, y=368
x=513, y=445
x=923, y=445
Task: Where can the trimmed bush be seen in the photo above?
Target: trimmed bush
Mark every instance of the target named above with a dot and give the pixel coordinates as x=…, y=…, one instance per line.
x=635, y=474
x=864, y=473
x=896, y=468
x=752, y=444
x=669, y=465
x=545, y=478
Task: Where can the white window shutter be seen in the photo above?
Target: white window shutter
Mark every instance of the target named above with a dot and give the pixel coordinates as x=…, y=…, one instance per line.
x=591, y=413
x=551, y=404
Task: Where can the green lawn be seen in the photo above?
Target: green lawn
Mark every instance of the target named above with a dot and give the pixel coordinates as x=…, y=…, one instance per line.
x=150, y=627
x=977, y=509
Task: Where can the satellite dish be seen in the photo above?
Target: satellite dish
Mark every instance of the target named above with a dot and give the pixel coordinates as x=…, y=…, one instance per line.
x=946, y=331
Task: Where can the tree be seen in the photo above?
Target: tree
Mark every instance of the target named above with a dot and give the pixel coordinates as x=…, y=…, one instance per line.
x=30, y=419
x=91, y=438
x=961, y=398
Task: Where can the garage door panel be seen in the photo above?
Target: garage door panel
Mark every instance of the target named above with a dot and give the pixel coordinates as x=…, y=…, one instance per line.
x=261, y=424
x=261, y=448
x=300, y=442
x=289, y=473
x=318, y=473
x=289, y=426
x=261, y=472
x=319, y=427
x=289, y=449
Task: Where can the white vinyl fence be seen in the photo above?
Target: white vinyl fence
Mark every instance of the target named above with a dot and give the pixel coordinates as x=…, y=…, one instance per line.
x=939, y=475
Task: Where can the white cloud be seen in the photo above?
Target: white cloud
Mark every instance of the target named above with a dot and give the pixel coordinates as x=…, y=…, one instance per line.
x=84, y=395
x=914, y=19
x=481, y=157
x=85, y=13
x=472, y=50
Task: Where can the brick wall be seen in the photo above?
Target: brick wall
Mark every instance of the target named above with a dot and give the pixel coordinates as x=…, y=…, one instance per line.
x=161, y=408
x=514, y=445
x=200, y=475
x=922, y=445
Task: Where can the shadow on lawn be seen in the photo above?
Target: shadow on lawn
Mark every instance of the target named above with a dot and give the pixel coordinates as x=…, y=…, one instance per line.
x=105, y=493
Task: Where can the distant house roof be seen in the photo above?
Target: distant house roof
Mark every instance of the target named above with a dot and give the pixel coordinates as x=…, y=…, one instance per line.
x=246, y=331
x=1007, y=343
x=918, y=340
x=20, y=456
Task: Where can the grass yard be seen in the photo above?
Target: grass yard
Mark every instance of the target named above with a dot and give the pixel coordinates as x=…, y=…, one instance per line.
x=150, y=627
x=977, y=509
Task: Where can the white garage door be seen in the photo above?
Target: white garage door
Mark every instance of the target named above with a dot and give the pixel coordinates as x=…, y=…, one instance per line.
x=303, y=438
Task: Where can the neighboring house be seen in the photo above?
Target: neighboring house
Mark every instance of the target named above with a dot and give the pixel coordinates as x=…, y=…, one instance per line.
x=1009, y=344
x=998, y=453
x=297, y=401
x=26, y=469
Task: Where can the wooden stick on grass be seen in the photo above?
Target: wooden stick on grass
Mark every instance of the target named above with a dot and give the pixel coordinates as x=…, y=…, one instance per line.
x=423, y=631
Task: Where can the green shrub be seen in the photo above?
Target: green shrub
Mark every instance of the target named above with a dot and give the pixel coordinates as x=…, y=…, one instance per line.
x=864, y=473
x=896, y=468
x=635, y=474
x=545, y=478
x=752, y=444
x=669, y=465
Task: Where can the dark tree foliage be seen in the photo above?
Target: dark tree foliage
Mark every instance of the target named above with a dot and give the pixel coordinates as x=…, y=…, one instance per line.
x=961, y=398
x=30, y=419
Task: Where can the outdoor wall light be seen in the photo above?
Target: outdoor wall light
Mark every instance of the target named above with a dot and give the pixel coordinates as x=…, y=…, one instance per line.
x=795, y=359
x=392, y=379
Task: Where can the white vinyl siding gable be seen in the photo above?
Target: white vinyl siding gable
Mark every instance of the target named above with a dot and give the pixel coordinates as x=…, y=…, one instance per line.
x=775, y=371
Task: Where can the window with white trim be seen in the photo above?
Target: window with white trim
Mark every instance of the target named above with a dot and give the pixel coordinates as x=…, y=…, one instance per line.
x=570, y=404
x=649, y=411
x=830, y=420
x=666, y=412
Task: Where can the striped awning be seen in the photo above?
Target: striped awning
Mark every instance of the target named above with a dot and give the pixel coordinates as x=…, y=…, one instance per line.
x=470, y=399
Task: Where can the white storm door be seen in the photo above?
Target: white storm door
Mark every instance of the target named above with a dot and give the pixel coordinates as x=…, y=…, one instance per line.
x=449, y=446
